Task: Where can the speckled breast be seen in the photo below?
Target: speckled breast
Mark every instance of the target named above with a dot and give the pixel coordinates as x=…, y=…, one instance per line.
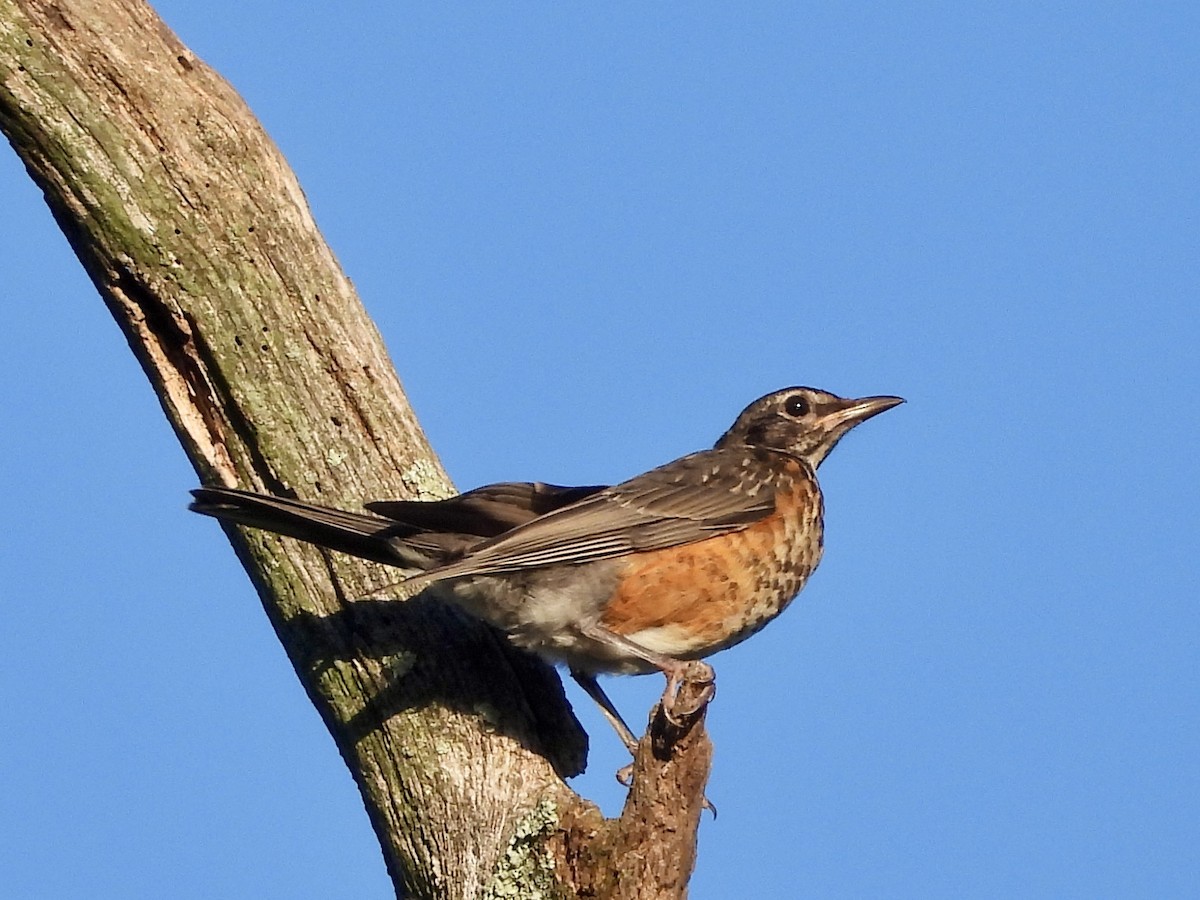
x=699, y=598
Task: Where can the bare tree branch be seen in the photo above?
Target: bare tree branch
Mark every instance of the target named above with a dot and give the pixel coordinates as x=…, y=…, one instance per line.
x=201, y=243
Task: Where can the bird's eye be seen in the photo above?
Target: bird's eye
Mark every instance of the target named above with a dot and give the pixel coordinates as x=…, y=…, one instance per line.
x=796, y=405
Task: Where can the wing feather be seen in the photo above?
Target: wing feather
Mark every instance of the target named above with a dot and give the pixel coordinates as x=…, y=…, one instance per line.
x=487, y=511
x=699, y=496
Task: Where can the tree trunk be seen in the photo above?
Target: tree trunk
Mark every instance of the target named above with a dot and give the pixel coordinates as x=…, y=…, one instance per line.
x=201, y=243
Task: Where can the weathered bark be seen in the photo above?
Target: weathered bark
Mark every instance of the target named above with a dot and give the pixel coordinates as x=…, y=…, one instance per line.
x=200, y=242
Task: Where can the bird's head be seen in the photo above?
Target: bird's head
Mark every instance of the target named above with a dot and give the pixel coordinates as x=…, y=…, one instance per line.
x=801, y=421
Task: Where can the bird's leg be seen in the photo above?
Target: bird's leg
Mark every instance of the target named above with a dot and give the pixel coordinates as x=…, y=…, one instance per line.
x=677, y=672
x=592, y=688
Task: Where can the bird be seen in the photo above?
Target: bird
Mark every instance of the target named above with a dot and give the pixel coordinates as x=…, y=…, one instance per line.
x=666, y=568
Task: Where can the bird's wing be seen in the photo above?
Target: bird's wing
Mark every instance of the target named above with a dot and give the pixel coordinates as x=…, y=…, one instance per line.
x=699, y=496
x=487, y=511
x=410, y=534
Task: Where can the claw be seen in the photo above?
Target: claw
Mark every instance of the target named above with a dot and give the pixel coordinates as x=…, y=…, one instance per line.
x=694, y=674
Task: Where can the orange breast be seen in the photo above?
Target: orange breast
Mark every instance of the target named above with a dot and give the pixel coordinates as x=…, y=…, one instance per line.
x=713, y=593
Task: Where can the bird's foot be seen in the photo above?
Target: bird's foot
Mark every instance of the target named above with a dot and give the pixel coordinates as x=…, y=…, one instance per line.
x=691, y=686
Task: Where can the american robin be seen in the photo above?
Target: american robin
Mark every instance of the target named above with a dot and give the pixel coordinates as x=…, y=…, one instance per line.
x=670, y=566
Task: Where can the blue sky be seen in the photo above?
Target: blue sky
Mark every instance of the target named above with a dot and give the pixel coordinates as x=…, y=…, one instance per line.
x=590, y=237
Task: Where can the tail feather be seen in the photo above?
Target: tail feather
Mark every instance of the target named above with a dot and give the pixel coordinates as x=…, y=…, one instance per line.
x=358, y=534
